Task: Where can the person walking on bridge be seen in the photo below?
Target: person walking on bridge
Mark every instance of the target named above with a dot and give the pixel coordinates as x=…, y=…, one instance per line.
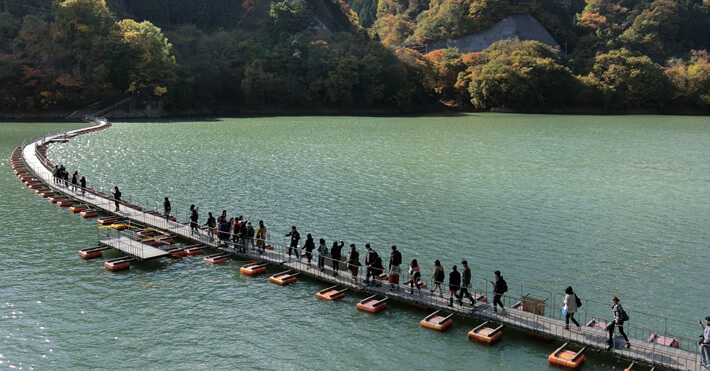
x=82, y=182
x=322, y=252
x=705, y=344
x=353, y=261
x=166, y=208
x=438, y=277
x=194, y=217
x=335, y=254
x=309, y=246
x=395, y=261
x=415, y=276
x=295, y=237
x=571, y=307
x=211, y=225
x=465, y=284
x=370, y=256
x=620, y=317
x=454, y=284
x=116, y=196
x=261, y=237
x=499, y=288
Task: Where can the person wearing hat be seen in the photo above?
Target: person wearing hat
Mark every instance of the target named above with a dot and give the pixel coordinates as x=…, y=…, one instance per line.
x=465, y=284
x=705, y=343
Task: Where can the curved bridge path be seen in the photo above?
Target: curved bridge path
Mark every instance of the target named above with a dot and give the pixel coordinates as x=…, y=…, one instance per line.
x=31, y=160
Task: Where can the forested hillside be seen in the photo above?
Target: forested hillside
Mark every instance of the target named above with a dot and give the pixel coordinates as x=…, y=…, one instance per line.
x=225, y=56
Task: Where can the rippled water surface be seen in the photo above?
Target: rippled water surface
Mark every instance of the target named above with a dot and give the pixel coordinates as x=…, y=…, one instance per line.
x=610, y=205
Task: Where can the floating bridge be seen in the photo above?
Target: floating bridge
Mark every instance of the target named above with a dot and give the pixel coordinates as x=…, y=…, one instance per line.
x=654, y=348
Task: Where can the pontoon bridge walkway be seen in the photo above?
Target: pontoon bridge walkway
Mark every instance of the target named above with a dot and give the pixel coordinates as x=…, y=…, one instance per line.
x=523, y=312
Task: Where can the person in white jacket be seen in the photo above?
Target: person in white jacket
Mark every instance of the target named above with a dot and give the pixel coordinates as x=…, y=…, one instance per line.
x=570, y=301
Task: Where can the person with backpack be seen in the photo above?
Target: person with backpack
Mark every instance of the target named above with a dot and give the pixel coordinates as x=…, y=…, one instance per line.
x=499, y=288
x=370, y=257
x=335, y=254
x=438, y=276
x=454, y=283
x=620, y=317
x=395, y=261
x=322, y=252
x=572, y=303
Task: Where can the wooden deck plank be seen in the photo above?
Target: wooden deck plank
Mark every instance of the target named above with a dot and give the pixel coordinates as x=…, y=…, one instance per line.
x=134, y=248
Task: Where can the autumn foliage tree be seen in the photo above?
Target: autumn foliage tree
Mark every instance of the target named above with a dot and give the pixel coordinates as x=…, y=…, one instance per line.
x=515, y=74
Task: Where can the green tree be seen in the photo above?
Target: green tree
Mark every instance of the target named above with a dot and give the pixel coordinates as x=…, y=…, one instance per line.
x=691, y=79
x=141, y=57
x=654, y=30
x=84, y=23
x=623, y=79
x=519, y=75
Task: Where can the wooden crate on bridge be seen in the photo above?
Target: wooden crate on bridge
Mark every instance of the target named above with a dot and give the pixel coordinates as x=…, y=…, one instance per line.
x=534, y=304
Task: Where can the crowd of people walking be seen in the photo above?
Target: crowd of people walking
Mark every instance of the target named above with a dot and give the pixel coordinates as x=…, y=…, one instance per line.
x=240, y=233
x=60, y=175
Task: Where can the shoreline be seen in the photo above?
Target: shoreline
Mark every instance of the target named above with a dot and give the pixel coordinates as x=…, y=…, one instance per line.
x=440, y=108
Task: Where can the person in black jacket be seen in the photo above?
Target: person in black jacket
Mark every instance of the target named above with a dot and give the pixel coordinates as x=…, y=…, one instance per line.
x=223, y=234
x=465, y=284
x=295, y=237
x=370, y=256
x=377, y=269
x=335, y=254
x=438, y=276
x=116, y=196
x=194, y=217
x=82, y=183
x=211, y=224
x=166, y=208
x=309, y=246
x=395, y=261
x=454, y=283
x=499, y=288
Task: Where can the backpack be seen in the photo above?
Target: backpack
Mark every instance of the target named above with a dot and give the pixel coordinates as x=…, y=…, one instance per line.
x=503, y=286
x=578, y=300
x=325, y=250
x=624, y=316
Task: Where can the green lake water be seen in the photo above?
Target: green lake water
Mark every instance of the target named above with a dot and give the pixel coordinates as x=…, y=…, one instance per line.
x=611, y=205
